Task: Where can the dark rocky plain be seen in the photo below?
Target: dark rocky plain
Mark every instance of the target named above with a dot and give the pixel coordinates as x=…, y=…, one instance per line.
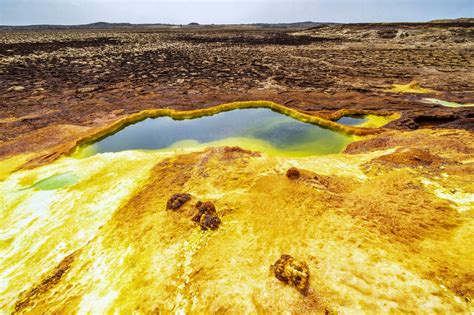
x=91, y=75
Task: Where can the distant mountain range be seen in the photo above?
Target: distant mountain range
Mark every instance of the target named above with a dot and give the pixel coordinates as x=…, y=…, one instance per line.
x=460, y=20
x=106, y=25
x=97, y=25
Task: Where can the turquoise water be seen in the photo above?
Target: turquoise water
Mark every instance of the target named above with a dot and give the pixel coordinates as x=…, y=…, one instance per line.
x=258, y=129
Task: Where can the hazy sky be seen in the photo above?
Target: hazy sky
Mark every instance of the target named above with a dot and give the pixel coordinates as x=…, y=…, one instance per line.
x=23, y=12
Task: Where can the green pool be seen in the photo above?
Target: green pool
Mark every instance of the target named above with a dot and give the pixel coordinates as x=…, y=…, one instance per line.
x=258, y=129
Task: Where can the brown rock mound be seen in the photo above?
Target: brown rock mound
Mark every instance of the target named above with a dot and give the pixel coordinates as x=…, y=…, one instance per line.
x=293, y=173
x=207, y=216
x=231, y=153
x=412, y=157
x=177, y=201
x=318, y=181
x=293, y=272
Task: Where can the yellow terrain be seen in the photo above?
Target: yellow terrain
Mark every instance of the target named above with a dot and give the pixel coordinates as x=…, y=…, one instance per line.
x=382, y=228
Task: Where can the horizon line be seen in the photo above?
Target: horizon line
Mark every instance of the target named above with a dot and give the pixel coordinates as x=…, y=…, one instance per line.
x=194, y=23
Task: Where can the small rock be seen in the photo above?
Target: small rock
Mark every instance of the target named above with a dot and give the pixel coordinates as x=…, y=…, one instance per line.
x=16, y=88
x=193, y=92
x=177, y=201
x=204, y=208
x=293, y=173
x=207, y=216
x=87, y=89
x=293, y=272
x=387, y=33
x=210, y=222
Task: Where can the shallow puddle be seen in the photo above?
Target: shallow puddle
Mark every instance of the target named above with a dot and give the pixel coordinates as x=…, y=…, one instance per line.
x=258, y=129
x=446, y=103
x=366, y=121
x=57, y=181
x=352, y=120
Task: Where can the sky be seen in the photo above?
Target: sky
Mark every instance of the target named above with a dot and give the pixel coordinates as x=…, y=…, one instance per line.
x=67, y=12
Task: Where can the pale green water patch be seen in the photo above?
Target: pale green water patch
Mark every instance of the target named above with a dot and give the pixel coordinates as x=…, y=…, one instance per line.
x=366, y=121
x=446, y=103
x=57, y=181
x=258, y=129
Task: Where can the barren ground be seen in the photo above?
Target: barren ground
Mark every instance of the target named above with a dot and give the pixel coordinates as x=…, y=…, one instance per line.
x=89, y=78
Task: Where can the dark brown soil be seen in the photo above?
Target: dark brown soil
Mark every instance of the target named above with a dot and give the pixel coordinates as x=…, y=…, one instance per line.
x=90, y=78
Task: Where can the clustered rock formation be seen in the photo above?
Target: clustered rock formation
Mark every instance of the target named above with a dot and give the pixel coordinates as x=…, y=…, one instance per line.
x=177, y=200
x=292, y=271
x=206, y=216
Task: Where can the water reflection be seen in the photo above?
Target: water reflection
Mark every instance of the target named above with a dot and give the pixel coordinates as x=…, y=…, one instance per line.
x=352, y=120
x=258, y=129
